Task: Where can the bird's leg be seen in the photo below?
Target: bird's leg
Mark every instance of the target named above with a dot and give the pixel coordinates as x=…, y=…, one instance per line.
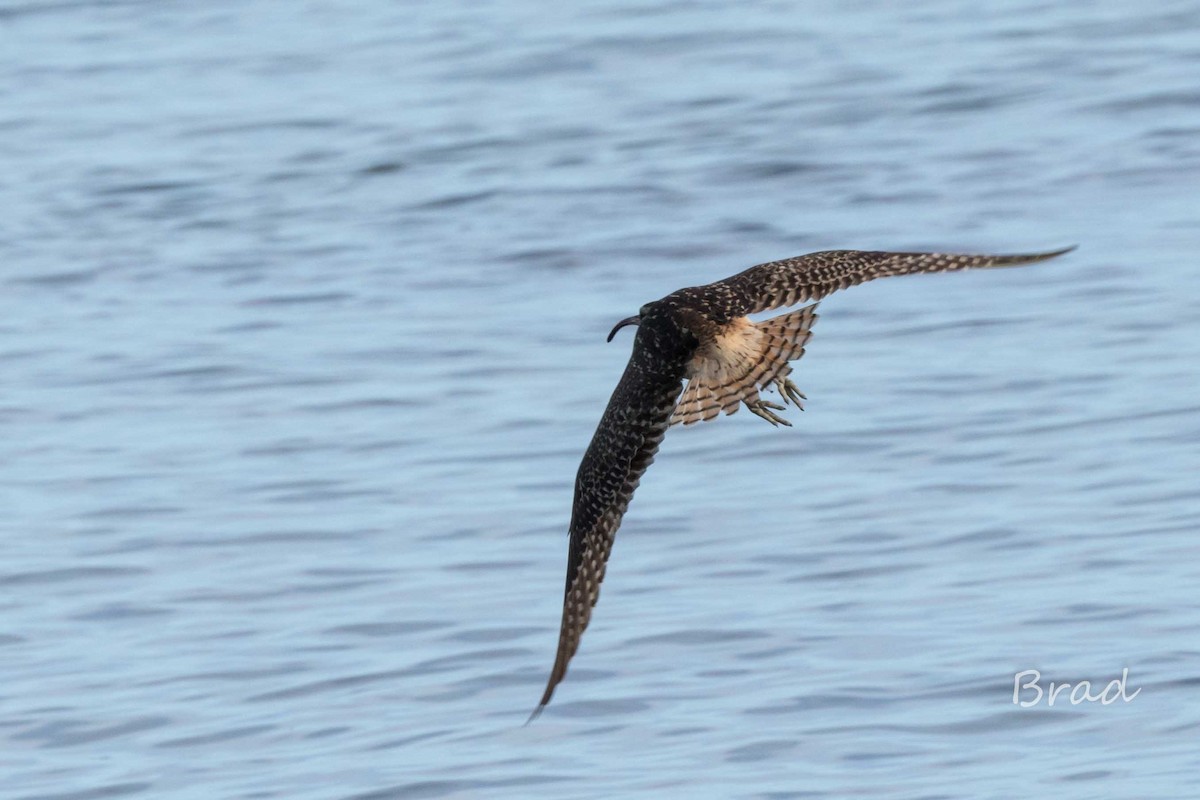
x=789, y=391
x=767, y=410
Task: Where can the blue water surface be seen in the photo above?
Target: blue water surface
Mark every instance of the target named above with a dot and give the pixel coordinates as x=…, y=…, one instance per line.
x=302, y=318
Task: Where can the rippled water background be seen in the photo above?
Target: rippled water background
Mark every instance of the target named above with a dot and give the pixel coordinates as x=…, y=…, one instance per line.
x=302, y=336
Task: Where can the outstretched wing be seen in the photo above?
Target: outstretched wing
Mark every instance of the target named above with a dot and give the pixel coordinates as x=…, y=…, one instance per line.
x=622, y=448
x=811, y=277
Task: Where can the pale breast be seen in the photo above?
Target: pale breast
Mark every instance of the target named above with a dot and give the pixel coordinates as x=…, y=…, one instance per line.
x=734, y=349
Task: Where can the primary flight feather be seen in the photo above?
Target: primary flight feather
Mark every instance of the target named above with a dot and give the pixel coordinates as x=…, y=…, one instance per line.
x=702, y=335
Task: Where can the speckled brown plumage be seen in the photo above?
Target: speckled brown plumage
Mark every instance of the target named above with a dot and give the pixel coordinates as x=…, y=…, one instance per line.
x=702, y=334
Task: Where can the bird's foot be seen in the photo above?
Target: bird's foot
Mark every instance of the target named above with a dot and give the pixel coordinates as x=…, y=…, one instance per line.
x=789, y=391
x=766, y=410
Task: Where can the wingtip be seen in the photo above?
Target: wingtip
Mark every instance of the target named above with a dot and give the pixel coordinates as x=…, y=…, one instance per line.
x=546, y=695
x=541, y=706
x=1045, y=255
x=1048, y=254
x=537, y=712
x=1031, y=258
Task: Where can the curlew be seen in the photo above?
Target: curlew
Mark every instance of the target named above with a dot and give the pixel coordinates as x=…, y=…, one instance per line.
x=703, y=335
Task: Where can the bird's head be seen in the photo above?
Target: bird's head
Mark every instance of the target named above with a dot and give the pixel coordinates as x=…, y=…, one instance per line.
x=636, y=319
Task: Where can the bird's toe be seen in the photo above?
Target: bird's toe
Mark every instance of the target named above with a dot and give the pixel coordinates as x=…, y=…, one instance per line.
x=767, y=410
x=789, y=391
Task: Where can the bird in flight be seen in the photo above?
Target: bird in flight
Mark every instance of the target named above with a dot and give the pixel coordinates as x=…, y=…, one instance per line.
x=703, y=335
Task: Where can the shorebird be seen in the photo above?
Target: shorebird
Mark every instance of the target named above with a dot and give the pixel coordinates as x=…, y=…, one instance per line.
x=703, y=335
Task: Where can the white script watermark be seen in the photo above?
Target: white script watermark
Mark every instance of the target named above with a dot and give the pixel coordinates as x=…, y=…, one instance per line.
x=1117, y=689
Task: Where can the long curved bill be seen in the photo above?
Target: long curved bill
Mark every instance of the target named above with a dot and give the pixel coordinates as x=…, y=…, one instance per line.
x=634, y=320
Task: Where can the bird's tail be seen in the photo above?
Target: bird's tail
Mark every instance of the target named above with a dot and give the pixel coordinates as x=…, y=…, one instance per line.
x=789, y=332
x=787, y=335
x=752, y=358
